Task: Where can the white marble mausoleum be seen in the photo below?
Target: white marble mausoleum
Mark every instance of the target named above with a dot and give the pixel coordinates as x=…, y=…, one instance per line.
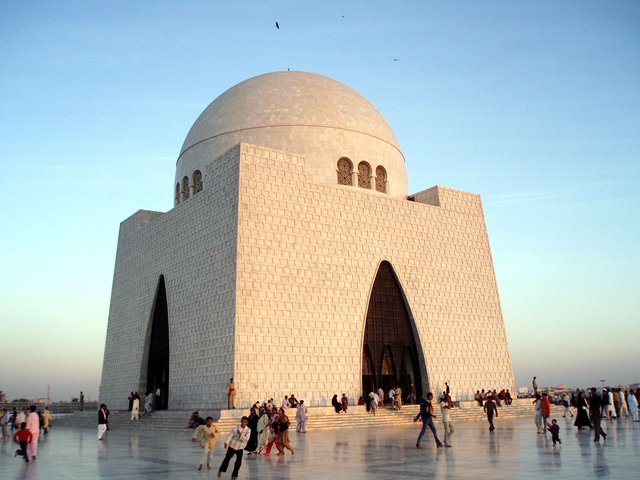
x=296, y=261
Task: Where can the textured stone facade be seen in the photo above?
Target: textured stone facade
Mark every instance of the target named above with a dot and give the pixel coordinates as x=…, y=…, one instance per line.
x=193, y=247
x=268, y=277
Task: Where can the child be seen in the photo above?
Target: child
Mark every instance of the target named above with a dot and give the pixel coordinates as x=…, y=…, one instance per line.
x=208, y=433
x=554, y=428
x=22, y=437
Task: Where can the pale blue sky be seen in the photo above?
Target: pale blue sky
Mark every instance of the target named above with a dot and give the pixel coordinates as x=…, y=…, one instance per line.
x=533, y=105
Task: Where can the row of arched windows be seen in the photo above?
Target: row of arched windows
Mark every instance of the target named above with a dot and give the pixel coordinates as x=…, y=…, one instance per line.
x=365, y=177
x=184, y=190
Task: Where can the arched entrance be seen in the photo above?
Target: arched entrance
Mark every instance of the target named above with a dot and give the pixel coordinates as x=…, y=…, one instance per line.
x=368, y=372
x=158, y=359
x=388, y=338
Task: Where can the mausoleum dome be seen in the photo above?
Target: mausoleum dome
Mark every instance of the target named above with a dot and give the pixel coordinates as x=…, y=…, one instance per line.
x=302, y=113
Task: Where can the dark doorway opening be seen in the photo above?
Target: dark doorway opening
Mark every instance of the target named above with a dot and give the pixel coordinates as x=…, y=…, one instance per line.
x=389, y=340
x=368, y=372
x=158, y=362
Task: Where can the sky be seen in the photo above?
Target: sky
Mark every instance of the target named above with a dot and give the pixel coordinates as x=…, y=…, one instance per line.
x=533, y=105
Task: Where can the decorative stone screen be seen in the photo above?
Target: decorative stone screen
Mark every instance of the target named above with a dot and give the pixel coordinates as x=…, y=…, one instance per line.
x=345, y=172
x=197, y=181
x=364, y=175
x=381, y=179
x=185, y=188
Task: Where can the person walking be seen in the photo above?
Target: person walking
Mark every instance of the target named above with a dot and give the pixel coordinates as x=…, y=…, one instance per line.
x=46, y=420
x=20, y=417
x=337, y=406
x=283, y=433
x=446, y=405
x=545, y=411
x=148, y=403
x=208, y=434
x=582, y=412
x=263, y=430
x=301, y=418
x=4, y=421
x=398, y=398
x=23, y=438
x=103, y=420
x=566, y=403
x=427, y=415
x=595, y=408
x=374, y=399
x=632, y=401
x=252, y=445
x=554, y=428
x=538, y=414
x=235, y=443
x=391, y=394
x=624, y=409
x=491, y=409
x=33, y=425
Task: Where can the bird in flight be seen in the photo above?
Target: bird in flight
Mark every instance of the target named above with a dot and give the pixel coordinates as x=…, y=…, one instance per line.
x=277, y=26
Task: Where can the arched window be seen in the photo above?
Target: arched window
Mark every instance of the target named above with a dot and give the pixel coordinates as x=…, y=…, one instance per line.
x=388, y=367
x=345, y=172
x=197, y=181
x=381, y=179
x=364, y=175
x=177, y=197
x=185, y=188
x=368, y=372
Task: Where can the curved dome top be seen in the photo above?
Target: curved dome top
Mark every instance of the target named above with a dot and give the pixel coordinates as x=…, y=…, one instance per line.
x=298, y=112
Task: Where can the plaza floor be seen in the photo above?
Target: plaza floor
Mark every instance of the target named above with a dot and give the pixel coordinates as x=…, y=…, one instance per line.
x=513, y=451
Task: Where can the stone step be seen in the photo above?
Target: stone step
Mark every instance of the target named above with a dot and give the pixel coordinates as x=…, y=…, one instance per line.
x=319, y=418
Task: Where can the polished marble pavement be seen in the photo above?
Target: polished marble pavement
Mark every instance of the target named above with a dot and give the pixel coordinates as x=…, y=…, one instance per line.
x=513, y=451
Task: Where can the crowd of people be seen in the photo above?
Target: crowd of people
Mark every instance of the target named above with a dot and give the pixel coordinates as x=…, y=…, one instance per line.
x=268, y=423
x=376, y=399
x=503, y=396
x=27, y=423
x=151, y=403
x=609, y=405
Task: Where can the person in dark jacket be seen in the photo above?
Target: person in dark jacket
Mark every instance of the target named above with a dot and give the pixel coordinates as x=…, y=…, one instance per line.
x=595, y=408
x=427, y=415
x=491, y=409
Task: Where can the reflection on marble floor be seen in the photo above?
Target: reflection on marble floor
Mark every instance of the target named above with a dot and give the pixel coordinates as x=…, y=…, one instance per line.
x=514, y=450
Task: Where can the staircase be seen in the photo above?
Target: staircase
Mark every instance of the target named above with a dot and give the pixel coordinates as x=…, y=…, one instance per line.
x=319, y=418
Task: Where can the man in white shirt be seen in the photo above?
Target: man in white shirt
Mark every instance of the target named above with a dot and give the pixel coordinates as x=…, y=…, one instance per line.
x=374, y=402
x=445, y=405
x=235, y=443
x=135, y=408
x=301, y=417
x=392, y=395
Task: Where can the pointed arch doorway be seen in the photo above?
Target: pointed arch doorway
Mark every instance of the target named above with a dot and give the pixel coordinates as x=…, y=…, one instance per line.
x=389, y=340
x=157, y=374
